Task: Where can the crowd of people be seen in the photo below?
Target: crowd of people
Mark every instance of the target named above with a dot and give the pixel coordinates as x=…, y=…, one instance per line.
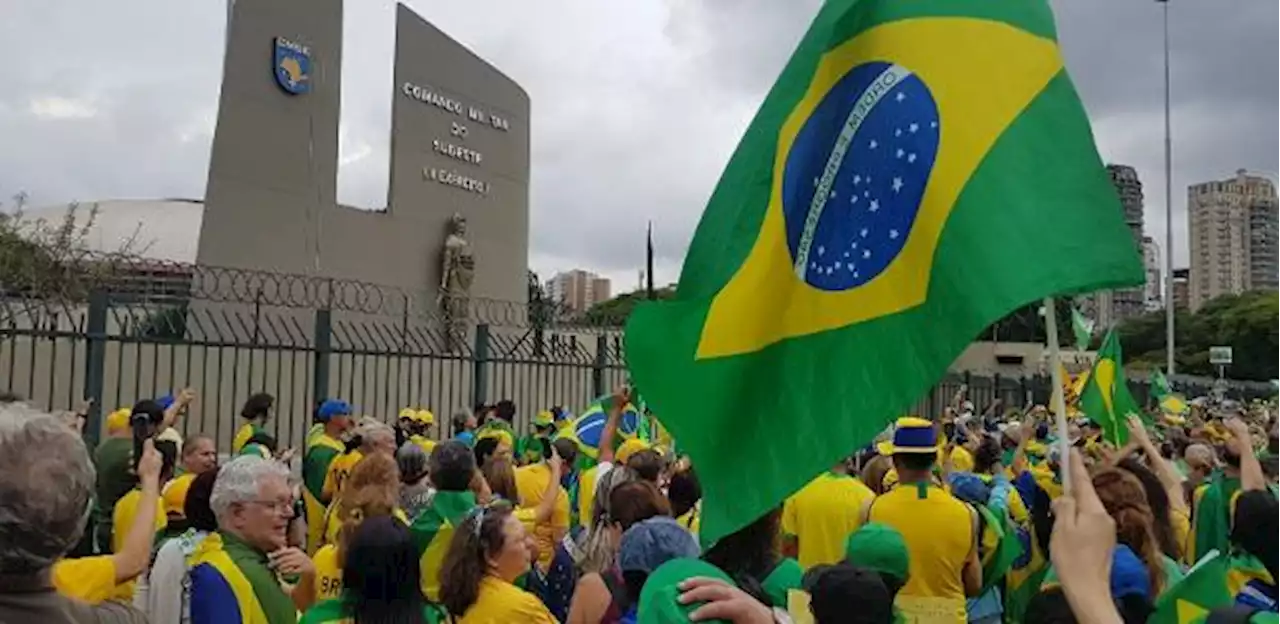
x=963, y=517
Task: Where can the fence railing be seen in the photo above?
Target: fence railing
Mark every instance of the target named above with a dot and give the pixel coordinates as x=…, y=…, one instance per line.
x=146, y=330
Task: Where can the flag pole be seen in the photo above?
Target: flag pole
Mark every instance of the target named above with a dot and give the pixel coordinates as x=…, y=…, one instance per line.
x=1059, y=401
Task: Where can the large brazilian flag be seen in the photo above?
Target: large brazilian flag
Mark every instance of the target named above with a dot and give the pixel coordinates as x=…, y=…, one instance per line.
x=920, y=169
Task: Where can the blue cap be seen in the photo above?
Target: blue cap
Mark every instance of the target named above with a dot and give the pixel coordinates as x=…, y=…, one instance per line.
x=331, y=408
x=650, y=543
x=1128, y=574
x=165, y=401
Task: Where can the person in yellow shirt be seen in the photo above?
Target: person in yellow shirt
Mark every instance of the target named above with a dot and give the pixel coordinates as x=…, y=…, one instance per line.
x=371, y=436
x=256, y=411
x=126, y=512
x=940, y=531
x=94, y=579
x=532, y=482
x=487, y=554
x=817, y=520
x=416, y=425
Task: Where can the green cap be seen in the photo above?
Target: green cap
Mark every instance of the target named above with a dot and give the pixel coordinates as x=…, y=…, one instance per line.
x=660, y=598
x=879, y=547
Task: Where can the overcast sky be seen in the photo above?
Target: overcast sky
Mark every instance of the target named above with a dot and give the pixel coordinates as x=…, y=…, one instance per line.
x=636, y=105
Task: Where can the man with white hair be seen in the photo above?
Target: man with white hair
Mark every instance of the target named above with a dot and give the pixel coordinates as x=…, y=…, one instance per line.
x=253, y=503
x=46, y=483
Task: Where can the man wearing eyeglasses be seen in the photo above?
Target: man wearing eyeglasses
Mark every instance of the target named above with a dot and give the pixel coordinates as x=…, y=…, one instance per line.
x=236, y=574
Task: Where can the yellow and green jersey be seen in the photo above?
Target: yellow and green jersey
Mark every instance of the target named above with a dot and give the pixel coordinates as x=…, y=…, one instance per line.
x=433, y=529
x=243, y=434
x=315, y=466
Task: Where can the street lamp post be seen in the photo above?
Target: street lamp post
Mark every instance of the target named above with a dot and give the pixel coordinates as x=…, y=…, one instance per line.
x=1168, y=204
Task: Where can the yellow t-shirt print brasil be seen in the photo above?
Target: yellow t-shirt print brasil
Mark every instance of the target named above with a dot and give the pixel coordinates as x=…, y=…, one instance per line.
x=918, y=170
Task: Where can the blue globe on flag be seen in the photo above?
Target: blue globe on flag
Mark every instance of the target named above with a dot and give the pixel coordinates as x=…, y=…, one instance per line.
x=588, y=427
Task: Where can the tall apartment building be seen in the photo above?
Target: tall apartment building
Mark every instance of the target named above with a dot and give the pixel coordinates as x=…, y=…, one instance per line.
x=1112, y=306
x=1233, y=236
x=578, y=290
x=1181, y=289
x=1151, y=266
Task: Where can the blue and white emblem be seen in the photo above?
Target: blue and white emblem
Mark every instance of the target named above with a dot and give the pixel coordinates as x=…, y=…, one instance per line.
x=856, y=175
x=292, y=66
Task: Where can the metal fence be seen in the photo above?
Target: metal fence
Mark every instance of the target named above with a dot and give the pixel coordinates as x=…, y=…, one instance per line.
x=149, y=330
x=143, y=330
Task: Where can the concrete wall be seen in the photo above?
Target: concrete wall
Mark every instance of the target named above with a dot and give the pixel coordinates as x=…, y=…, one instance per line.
x=270, y=199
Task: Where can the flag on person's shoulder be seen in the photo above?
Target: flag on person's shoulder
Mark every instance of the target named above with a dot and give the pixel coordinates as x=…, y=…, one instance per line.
x=1106, y=399
x=918, y=171
x=1203, y=589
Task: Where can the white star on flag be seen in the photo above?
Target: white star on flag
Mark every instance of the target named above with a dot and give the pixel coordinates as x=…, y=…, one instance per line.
x=897, y=132
x=854, y=199
x=933, y=124
x=821, y=250
x=893, y=234
x=863, y=232
x=866, y=253
x=897, y=184
x=838, y=263
x=911, y=158
x=855, y=244
x=899, y=153
x=832, y=194
x=857, y=179
x=875, y=205
x=901, y=96
x=913, y=127
x=872, y=144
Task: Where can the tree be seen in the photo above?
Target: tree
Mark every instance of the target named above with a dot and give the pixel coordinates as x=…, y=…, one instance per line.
x=615, y=311
x=43, y=260
x=1244, y=322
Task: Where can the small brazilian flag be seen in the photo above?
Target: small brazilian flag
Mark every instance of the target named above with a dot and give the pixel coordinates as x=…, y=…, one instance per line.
x=919, y=170
x=1106, y=399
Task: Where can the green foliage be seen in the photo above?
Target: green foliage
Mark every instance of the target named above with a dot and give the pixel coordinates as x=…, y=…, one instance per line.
x=1245, y=322
x=43, y=259
x=615, y=311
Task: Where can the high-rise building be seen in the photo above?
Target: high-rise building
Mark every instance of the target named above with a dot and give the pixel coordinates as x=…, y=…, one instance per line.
x=1181, y=289
x=1151, y=266
x=1112, y=306
x=1233, y=236
x=578, y=290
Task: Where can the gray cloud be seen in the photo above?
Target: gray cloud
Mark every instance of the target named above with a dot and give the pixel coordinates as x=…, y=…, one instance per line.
x=636, y=106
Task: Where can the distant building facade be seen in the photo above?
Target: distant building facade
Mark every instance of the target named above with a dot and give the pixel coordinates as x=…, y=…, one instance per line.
x=1151, y=266
x=1181, y=289
x=1232, y=223
x=578, y=290
x=1112, y=306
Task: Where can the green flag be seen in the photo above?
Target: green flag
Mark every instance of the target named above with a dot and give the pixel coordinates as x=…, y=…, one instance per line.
x=1203, y=589
x=1083, y=329
x=1159, y=385
x=886, y=204
x=1106, y=399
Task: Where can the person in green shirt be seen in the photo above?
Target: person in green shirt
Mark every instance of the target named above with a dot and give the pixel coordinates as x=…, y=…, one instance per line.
x=377, y=585
x=529, y=447
x=113, y=460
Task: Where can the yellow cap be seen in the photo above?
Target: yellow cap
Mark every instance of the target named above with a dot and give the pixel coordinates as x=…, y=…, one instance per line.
x=502, y=436
x=544, y=419
x=410, y=413
x=629, y=448
x=425, y=417
x=118, y=420
x=175, y=493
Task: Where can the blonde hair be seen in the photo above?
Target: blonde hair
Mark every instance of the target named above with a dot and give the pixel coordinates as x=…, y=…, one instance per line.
x=373, y=489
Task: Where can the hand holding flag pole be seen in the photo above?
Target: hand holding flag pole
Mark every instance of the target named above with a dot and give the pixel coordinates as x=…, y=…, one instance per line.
x=1059, y=402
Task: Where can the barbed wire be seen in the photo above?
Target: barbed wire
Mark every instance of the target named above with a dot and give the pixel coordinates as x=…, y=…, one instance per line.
x=130, y=279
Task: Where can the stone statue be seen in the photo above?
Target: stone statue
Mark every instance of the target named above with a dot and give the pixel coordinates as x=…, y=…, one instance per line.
x=458, y=268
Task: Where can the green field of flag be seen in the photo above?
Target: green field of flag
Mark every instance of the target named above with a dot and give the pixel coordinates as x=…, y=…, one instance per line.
x=918, y=170
x=1106, y=399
